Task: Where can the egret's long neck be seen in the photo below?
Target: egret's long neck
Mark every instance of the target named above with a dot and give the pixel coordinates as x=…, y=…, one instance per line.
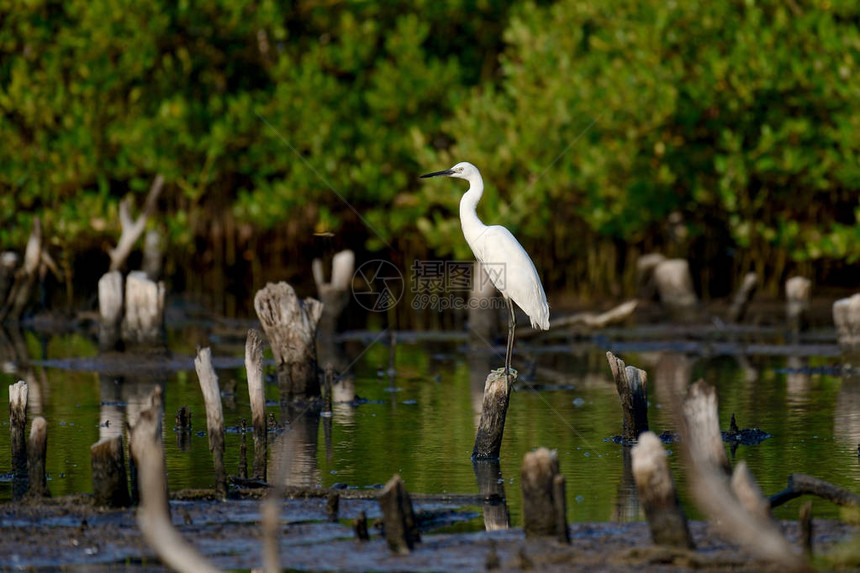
x=472, y=225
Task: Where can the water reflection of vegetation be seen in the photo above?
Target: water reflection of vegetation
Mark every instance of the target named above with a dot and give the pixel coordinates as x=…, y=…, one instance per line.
x=420, y=423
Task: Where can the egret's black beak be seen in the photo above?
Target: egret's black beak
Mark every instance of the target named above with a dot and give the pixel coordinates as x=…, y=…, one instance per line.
x=437, y=174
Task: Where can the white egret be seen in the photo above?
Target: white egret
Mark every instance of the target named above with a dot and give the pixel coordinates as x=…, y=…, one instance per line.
x=496, y=246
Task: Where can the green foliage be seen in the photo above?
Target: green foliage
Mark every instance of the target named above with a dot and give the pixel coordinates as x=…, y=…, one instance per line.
x=611, y=116
x=592, y=121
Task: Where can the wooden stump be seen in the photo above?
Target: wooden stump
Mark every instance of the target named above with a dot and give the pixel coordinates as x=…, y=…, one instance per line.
x=544, y=503
x=646, y=288
x=143, y=324
x=631, y=383
x=110, y=484
x=797, y=295
x=18, y=394
x=401, y=529
x=291, y=324
x=132, y=229
x=805, y=519
x=22, y=288
x=214, y=416
x=657, y=493
x=37, y=449
x=742, y=298
x=328, y=391
x=110, y=310
x=334, y=294
x=675, y=287
x=359, y=526
x=497, y=394
x=332, y=506
x=8, y=263
x=257, y=392
x=748, y=492
x=702, y=425
x=182, y=428
x=846, y=317
x=152, y=255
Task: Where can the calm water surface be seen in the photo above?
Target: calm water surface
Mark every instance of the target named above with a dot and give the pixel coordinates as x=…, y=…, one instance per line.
x=420, y=403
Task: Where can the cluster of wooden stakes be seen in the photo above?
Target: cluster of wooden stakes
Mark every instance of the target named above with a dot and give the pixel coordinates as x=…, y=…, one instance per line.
x=729, y=496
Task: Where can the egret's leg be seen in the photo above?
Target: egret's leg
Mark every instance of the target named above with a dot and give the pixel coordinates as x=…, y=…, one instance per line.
x=512, y=325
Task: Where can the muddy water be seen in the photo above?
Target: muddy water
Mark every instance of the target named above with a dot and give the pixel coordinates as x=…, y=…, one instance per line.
x=419, y=397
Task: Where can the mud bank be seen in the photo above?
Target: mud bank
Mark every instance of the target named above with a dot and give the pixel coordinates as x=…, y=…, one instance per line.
x=71, y=534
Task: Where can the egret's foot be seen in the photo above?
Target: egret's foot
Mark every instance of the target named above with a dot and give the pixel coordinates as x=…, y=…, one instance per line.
x=510, y=379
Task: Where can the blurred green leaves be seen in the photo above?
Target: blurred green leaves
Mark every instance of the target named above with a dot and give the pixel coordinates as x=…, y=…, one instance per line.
x=592, y=121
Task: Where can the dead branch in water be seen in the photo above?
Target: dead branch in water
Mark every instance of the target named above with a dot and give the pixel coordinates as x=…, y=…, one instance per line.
x=709, y=482
x=153, y=516
x=802, y=484
x=214, y=416
x=132, y=230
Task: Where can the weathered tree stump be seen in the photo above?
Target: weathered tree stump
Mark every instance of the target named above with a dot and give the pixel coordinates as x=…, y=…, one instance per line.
x=748, y=492
x=132, y=230
x=110, y=483
x=214, y=416
x=182, y=419
x=631, y=383
x=153, y=515
x=702, y=425
x=657, y=493
x=37, y=449
x=334, y=294
x=328, y=391
x=742, y=298
x=22, y=289
x=544, y=503
x=8, y=263
x=846, y=317
x=291, y=324
x=110, y=310
x=359, y=526
x=332, y=506
x=257, y=393
x=497, y=395
x=18, y=394
x=143, y=323
x=401, y=529
x=182, y=428
x=152, y=255
x=646, y=288
x=797, y=296
x=675, y=287
x=805, y=519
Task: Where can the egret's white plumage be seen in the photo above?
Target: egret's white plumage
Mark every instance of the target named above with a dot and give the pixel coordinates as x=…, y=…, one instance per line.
x=495, y=246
